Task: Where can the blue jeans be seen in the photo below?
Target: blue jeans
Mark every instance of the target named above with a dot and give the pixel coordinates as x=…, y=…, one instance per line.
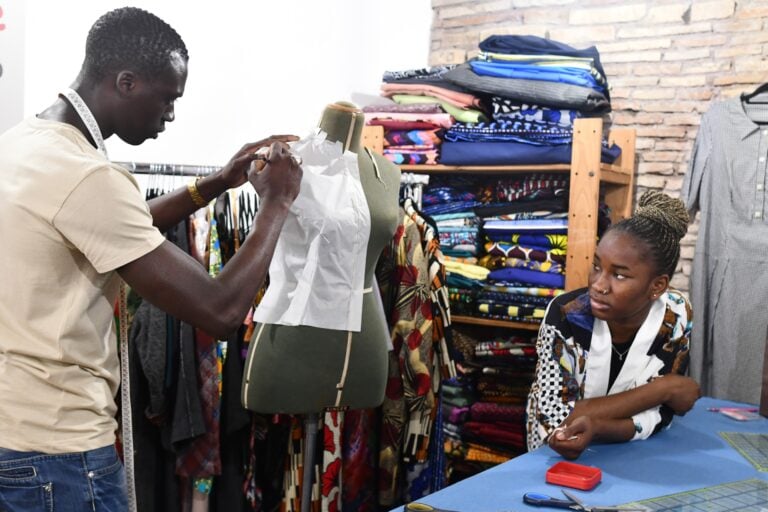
x=76, y=482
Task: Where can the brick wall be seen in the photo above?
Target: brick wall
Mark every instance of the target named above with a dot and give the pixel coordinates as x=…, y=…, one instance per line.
x=666, y=62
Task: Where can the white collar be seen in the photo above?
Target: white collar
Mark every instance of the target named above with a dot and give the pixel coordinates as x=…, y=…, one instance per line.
x=599, y=360
x=87, y=117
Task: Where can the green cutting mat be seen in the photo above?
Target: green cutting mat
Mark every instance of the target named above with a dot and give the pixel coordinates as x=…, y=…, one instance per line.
x=742, y=495
x=754, y=447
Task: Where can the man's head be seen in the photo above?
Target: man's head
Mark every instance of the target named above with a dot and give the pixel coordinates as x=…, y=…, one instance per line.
x=138, y=63
x=130, y=38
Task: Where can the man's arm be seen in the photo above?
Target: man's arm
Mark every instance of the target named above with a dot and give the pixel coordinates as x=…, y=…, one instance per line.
x=170, y=209
x=176, y=283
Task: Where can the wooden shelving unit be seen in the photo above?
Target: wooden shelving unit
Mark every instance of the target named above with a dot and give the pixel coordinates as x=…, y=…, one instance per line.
x=473, y=320
x=587, y=174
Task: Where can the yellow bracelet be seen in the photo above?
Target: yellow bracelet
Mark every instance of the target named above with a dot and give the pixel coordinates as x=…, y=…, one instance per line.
x=194, y=193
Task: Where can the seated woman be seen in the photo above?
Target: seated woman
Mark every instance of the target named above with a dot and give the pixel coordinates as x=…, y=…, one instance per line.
x=612, y=356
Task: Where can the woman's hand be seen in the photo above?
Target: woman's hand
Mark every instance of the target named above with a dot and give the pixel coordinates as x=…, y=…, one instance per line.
x=681, y=392
x=572, y=440
x=235, y=173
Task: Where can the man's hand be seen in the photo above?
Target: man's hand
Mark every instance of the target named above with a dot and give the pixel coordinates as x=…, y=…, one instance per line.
x=279, y=179
x=235, y=173
x=572, y=440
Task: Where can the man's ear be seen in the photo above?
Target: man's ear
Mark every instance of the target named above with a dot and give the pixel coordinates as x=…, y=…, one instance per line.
x=126, y=82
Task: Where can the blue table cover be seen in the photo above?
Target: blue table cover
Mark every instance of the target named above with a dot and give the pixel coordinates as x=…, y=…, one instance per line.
x=689, y=455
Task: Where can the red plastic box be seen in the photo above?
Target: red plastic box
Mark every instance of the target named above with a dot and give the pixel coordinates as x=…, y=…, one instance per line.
x=574, y=475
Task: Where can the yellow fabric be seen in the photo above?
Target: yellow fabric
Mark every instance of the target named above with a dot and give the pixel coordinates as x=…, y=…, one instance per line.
x=545, y=60
x=68, y=219
x=466, y=270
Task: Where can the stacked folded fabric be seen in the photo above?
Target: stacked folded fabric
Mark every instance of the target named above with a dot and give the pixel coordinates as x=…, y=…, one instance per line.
x=537, y=87
x=484, y=407
x=425, y=104
x=524, y=226
x=412, y=133
x=534, y=70
x=451, y=203
x=429, y=86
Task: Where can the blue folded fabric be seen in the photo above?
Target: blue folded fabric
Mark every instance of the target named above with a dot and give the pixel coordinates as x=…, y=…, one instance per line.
x=541, y=225
x=559, y=74
x=528, y=276
x=504, y=108
x=508, y=130
x=522, y=90
x=536, y=241
x=462, y=206
x=514, y=153
x=534, y=45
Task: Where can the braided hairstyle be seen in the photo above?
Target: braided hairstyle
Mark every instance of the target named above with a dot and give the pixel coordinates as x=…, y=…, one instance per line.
x=130, y=38
x=660, y=221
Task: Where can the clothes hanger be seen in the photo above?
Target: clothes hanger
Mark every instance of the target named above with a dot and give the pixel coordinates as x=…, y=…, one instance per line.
x=151, y=183
x=755, y=97
x=241, y=213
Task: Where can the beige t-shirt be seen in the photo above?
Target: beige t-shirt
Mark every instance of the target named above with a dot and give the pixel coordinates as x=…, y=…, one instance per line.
x=68, y=219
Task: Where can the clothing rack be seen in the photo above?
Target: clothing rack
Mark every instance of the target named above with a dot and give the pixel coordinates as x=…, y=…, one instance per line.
x=169, y=169
x=411, y=185
x=409, y=178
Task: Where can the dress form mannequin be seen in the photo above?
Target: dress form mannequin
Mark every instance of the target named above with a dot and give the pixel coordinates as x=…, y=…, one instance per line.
x=298, y=369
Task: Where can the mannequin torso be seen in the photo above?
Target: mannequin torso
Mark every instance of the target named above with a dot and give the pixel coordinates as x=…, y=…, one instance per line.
x=296, y=369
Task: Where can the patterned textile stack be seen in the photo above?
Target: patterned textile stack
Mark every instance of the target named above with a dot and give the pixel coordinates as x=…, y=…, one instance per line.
x=514, y=104
x=535, y=88
x=424, y=104
x=450, y=204
x=525, y=241
x=484, y=407
x=504, y=241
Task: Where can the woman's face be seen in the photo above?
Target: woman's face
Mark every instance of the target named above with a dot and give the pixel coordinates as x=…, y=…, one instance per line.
x=623, y=281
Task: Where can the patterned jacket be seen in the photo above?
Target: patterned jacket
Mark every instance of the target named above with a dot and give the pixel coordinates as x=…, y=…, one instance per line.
x=574, y=351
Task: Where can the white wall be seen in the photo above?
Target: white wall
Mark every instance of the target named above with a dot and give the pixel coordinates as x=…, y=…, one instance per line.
x=11, y=63
x=256, y=67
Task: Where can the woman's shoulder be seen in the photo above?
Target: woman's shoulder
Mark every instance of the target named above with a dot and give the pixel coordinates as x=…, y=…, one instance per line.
x=677, y=298
x=571, y=307
x=679, y=304
x=568, y=297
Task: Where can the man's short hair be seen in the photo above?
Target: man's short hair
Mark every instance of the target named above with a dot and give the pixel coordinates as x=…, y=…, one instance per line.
x=130, y=38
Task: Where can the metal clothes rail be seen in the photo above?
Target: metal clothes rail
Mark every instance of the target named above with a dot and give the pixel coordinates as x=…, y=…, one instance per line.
x=169, y=169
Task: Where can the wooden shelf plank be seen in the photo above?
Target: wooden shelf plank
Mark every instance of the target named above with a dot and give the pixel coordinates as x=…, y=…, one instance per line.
x=615, y=177
x=484, y=169
x=608, y=173
x=490, y=322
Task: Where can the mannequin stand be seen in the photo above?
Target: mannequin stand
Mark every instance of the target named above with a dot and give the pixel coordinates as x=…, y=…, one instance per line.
x=310, y=445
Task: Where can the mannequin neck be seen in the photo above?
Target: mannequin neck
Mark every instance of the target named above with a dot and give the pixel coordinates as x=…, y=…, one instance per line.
x=343, y=122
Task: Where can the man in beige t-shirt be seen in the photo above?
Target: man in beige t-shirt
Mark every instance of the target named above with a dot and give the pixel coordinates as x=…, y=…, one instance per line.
x=72, y=225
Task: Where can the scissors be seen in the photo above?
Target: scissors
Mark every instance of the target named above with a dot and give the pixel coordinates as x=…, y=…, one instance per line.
x=572, y=503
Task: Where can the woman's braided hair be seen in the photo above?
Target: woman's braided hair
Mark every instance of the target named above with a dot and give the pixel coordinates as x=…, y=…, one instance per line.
x=661, y=222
